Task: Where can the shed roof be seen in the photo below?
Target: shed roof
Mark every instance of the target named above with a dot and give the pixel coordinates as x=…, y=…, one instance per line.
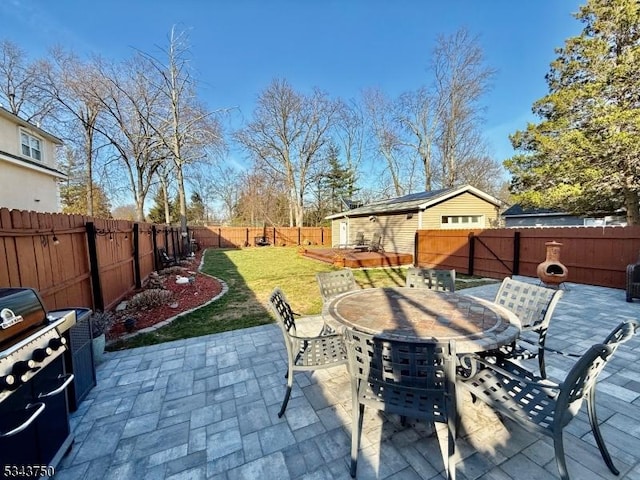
x=414, y=201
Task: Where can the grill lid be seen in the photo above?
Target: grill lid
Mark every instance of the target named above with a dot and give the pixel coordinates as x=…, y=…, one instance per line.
x=21, y=311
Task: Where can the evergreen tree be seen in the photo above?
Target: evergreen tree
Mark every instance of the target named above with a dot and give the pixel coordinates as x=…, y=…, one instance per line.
x=156, y=213
x=583, y=156
x=196, y=212
x=74, y=200
x=339, y=181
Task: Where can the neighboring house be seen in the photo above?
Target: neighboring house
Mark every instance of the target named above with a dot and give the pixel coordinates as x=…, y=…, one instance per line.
x=28, y=174
x=516, y=216
x=398, y=219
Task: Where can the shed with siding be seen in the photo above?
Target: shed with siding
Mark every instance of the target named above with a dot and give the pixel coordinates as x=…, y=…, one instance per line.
x=398, y=219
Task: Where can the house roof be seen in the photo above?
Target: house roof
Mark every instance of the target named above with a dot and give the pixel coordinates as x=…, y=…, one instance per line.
x=414, y=201
x=23, y=123
x=518, y=211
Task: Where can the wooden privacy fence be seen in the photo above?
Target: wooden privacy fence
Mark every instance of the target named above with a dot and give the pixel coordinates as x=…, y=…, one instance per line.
x=234, y=237
x=79, y=261
x=593, y=255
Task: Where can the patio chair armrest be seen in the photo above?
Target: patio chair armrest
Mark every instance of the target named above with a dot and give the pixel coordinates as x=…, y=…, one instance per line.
x=517, y=373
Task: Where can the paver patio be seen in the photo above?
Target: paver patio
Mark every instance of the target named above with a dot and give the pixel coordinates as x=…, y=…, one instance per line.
x=207, y=408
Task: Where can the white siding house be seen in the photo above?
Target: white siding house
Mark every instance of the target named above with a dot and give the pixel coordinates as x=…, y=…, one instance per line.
x=28, y=170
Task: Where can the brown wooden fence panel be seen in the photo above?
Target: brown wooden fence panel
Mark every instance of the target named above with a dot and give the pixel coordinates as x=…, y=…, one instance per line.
x=287, y=236
x=115, y=259
x=593, y=255
x=207, y=237
x=444, y=249
x=236, y=237
x=47, y=252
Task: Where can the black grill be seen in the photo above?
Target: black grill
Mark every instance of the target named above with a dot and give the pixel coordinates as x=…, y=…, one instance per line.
x=34, y=422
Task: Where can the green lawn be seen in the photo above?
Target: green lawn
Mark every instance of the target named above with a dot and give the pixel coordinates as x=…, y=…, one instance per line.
x=251, y=274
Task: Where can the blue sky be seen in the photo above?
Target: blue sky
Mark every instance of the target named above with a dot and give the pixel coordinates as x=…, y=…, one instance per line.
x=342, y=47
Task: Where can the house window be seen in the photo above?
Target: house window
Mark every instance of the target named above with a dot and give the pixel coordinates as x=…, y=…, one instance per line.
x=462, y=221
x=31, y=146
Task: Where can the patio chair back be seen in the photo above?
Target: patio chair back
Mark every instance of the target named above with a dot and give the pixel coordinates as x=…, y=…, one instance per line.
x=433, y=279
x=304, y=353
x=359, y=239
x=376, y=243
x=409, y=379
x=283, y=312
x=534, y=305
x=622, y=333
x=335, y=283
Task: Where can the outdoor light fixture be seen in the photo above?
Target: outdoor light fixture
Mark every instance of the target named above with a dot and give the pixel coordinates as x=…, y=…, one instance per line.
x=111, y=237
x=55, y=240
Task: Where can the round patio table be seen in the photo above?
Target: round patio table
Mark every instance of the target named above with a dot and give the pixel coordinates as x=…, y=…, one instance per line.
x=422, y=315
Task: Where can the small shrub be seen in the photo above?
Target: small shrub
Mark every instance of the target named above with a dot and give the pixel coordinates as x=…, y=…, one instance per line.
x=176, y=270
x=101, y=322
x=154, y=297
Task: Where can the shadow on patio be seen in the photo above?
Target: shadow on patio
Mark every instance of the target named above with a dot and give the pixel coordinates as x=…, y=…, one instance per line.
x=207, y=408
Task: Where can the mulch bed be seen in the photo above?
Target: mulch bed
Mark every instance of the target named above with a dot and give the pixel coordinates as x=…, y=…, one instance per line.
x=184, y=297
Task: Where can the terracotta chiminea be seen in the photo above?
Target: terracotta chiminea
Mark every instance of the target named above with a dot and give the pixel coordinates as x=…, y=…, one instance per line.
x=551, y=272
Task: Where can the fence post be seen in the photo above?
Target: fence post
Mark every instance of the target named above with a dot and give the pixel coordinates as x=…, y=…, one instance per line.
x=322, y=236
x=96, y=287
x=246, y=239
x=154, y=242
x=219, y=237
x=136, y=255
x=298, y=236
x=173, y=243
x=471, y=252
x=415, y=249
x=516, y=253
x=274, y=236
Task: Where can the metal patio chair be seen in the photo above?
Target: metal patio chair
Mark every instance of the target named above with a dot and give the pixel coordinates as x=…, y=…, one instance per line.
x=376, y=243
x=633, y=280
x=433, y=279
x=336, y=282
x=534, y=305
x=304, y=353
x=414, y=380
x=540, y=405
x=332, y=284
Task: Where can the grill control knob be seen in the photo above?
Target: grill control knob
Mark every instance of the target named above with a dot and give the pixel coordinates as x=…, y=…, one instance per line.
x=40, y=354
x=21, y=368
x=57, y=342
x=8, y=382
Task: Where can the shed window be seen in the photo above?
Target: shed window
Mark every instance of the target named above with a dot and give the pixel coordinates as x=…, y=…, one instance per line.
x=462, y=221
x=31, y=146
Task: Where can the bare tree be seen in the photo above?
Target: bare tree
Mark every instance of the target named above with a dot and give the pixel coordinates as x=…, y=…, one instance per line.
x=130, y=102
x=225, y=185
x=186, y=128
x=165, y=179
x=20, y=90
x=418, y=113
x=72, y=84
x=392, y=141
x=262, y=199
x=462, y=78
x=204, y=180
x=351, y=135
x=286, y=136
